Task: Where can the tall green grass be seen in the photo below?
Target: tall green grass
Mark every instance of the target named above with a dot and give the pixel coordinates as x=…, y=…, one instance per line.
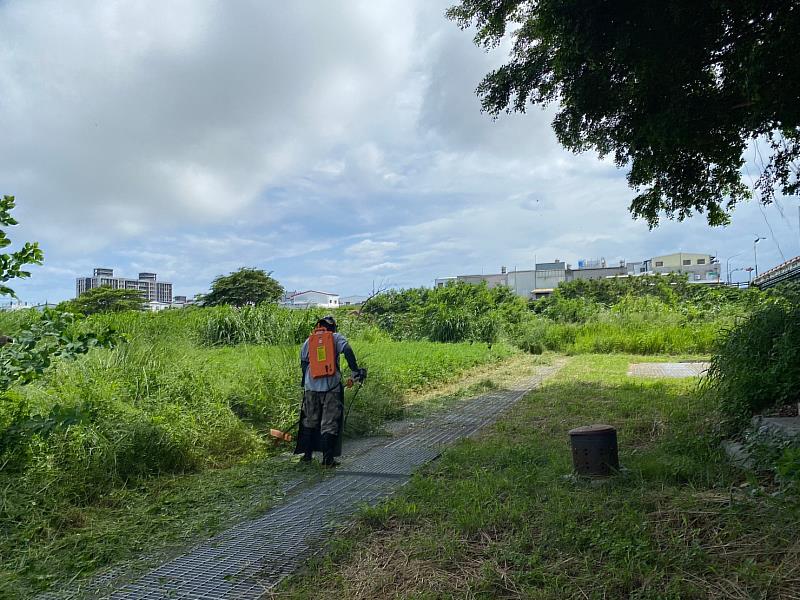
x=650, y=315
x=179, y=398
x=612, y=334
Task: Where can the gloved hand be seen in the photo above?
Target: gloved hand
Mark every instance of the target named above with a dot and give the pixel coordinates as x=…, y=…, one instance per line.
x=360, y=375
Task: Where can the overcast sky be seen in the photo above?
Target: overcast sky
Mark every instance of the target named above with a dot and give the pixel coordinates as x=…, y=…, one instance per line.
x=335, y=143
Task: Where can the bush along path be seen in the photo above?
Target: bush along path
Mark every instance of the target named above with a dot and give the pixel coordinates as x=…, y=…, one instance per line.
x=254, y=556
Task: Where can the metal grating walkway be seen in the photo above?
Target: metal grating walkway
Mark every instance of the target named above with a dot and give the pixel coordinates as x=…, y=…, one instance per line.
x=251, y=558
x=678, y=370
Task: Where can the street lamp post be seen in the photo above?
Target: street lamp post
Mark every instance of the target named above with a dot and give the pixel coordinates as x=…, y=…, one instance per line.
x=728, y=264
x=755, y=253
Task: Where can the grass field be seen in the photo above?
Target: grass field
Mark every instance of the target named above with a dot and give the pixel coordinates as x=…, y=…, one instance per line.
x=172, y=443
x=167, y=435
x=497, y=518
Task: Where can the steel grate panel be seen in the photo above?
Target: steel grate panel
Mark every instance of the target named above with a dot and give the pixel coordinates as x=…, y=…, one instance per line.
x=678, y=370
x=252, y=557
x=279, y=539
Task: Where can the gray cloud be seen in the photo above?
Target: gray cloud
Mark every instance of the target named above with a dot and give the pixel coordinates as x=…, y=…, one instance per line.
x=334, y=142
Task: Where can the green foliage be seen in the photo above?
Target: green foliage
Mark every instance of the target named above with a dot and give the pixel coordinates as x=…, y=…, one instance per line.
x=105, y=299
x=668, y=288
x=243, y=287
x=618, y=331
x=680, y=115
x=646, y=315
x=272, y=325
x=452, y=313
x=52, y=337
x=11, y=264
x=563, y=309
x=262, y=324
x=757, y=364
x=787, y=468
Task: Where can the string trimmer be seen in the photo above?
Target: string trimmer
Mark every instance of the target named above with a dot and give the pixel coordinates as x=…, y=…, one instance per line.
x=285, y=436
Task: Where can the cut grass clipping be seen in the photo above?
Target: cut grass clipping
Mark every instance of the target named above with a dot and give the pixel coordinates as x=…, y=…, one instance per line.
x=496, y=518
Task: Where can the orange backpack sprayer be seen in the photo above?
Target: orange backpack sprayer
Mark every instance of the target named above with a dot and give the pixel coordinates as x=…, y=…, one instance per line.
x=321, y=353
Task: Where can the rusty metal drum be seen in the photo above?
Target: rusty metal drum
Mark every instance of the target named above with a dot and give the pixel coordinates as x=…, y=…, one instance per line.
x=594, y=450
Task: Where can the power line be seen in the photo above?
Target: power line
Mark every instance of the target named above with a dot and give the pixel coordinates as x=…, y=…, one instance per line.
x=758, y=202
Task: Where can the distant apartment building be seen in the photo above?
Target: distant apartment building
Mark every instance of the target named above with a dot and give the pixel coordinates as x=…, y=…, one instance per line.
x=310, y=299
x=19, y=305
x=701, y=268
x=154, y=292
x=545, y=277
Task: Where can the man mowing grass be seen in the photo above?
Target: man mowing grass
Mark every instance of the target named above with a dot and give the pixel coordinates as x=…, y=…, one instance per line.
x=322, y=412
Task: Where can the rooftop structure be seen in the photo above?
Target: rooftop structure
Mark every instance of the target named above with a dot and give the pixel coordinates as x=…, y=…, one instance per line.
x=701, y=268
x=356, y=300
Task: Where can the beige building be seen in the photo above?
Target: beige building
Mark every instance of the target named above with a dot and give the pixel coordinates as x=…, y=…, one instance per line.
x=699, y=267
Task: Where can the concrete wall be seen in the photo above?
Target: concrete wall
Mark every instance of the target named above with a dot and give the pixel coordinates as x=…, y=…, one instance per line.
x=596, y=273
x=492, y=281
x=680, y=262
x=521, y=282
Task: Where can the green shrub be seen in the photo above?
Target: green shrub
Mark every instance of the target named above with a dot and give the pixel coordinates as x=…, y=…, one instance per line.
x=757, y=364
x=456, y=312
x=571, y=310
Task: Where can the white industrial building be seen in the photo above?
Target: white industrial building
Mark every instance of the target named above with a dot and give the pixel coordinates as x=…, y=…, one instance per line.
x=311, y=299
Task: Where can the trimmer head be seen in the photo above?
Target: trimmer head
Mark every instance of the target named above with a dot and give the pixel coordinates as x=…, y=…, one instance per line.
x=281, y=435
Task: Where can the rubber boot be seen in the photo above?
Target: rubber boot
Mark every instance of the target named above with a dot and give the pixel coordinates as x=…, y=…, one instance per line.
x=328, y=444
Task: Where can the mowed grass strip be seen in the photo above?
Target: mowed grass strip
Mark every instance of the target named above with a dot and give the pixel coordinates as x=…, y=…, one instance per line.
x=496, y=517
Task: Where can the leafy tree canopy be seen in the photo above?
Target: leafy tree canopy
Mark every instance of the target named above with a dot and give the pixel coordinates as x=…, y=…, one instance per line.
x=676, y=90
x=243, y=287
x=105, y=299
x=11, y=264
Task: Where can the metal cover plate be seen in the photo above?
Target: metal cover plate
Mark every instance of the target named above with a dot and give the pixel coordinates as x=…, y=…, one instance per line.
x=676, y=370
